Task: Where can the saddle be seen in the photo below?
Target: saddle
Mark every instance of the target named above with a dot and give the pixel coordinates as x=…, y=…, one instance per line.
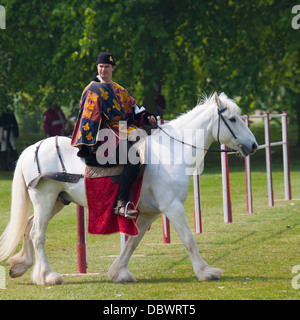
x=91, y=172
x=100, y=172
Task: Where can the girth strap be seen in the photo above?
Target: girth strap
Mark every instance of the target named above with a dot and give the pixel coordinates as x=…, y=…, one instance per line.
x=36, y=158
x=58, y=153
x=57, y=176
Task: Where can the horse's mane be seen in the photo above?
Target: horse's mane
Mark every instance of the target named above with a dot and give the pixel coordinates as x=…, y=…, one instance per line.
x=204, y=103
x=230, y=103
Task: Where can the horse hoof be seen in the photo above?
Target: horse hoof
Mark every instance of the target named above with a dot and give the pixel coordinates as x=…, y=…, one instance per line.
x=47, y=279
x=17, y=271
x=211, y=274
x=53, y=278
x=122, y=276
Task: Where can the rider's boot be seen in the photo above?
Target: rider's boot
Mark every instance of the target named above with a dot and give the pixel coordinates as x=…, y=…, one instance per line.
x=124, y=210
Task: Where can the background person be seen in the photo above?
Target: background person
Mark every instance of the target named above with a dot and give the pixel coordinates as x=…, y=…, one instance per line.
x=54, y=121
x=9, y=131
x=160, y=104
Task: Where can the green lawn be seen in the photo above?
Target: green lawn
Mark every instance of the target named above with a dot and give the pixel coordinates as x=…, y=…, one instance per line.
x=257, y=252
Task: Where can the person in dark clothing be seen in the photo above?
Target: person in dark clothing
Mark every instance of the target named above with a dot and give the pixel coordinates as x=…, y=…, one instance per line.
x=54, y=121
x=160, y=105
x=9, y=131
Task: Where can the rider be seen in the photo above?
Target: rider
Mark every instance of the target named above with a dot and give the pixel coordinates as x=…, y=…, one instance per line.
x=103, y=105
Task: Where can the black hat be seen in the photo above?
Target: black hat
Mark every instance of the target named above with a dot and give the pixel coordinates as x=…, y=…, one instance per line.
x=106, y=57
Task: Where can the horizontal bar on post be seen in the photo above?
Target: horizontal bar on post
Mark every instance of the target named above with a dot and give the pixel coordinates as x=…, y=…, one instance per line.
x=262, y=146
x=280, y=115
x=279, y=143
x=263, y=116
x=273, y=144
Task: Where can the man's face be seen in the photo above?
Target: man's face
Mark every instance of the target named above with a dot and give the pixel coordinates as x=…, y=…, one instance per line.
x=105, y=71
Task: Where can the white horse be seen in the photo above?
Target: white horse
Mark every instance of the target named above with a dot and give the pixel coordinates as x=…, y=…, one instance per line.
x=164, y=190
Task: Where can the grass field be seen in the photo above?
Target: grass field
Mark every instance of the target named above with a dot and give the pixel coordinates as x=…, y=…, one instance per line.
x=257, y=252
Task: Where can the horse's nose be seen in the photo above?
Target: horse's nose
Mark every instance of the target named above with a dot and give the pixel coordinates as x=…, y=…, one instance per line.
x=254, y=147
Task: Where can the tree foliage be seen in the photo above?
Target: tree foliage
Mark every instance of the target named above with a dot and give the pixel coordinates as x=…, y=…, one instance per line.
x=247, y=49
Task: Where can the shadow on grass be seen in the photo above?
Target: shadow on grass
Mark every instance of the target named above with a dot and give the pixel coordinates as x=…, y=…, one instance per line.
x=102, y=279
x=165, y=280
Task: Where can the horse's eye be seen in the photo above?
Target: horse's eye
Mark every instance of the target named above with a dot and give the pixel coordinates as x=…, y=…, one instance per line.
x=233, y=119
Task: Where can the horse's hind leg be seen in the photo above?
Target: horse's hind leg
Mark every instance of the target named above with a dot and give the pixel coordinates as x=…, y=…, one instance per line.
x=43, y=211
x=23, y=260
x=118, y=271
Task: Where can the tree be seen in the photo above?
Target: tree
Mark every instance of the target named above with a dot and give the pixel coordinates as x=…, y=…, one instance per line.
x=247, y=49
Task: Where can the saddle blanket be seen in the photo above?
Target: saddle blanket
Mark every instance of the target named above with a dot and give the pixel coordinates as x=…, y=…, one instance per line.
x=101, y=197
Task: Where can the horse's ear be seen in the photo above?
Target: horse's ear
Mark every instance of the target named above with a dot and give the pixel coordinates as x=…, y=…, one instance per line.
x=217, y=100
x=223, y=95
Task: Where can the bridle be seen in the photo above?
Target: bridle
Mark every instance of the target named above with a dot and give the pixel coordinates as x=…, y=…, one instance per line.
x=220, y=111
x=221, y=117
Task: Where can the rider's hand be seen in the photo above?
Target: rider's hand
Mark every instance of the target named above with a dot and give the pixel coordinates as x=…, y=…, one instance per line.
x=152, y=120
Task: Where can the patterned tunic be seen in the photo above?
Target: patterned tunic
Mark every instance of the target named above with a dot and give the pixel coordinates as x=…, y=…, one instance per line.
x=105, y=105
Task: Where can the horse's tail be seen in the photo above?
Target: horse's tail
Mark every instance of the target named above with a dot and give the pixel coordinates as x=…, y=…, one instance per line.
x=20, y=210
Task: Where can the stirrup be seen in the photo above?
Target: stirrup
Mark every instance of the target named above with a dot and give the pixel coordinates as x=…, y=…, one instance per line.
x=123, y=210
x=131, y=214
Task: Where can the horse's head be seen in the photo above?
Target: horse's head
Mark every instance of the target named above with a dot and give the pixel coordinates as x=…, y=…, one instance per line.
x=230, y=129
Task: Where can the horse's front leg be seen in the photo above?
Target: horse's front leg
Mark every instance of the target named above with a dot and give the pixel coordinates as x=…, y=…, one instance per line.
x=118, y=271
x=176, y=214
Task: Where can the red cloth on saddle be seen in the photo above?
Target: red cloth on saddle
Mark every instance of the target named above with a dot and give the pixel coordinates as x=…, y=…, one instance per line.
x=101, y=197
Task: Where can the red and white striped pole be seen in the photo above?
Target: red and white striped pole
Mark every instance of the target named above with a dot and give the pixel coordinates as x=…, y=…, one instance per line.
x=165, y=220
x=123, y=240
x=81, y=240
x=286, y=159
x=166, y=229
x=269, y=160
x=226, y=186
x=249, y=200
x=197, y=201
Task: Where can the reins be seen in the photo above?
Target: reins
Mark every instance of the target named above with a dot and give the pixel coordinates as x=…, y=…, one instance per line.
x=220, y=111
